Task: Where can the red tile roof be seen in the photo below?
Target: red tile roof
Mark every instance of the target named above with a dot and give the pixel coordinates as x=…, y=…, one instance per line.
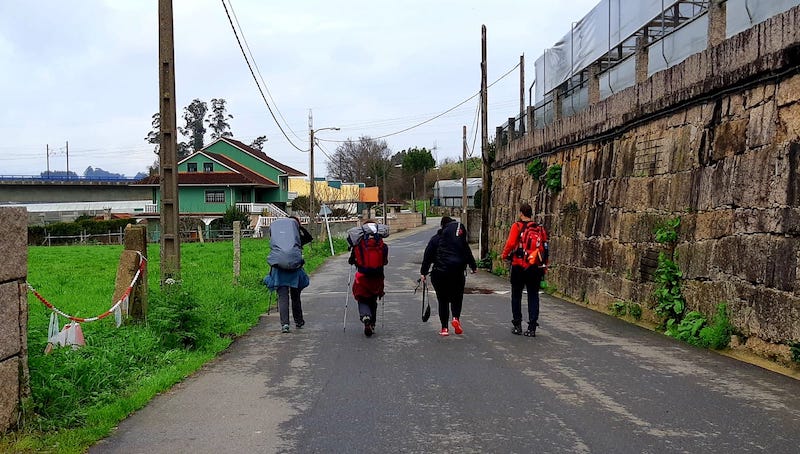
x=213, y=178
x=263, y=156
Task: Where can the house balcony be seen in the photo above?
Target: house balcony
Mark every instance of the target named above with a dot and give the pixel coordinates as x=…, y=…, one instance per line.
x=259, y=208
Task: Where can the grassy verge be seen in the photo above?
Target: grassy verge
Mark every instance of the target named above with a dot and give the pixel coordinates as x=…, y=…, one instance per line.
x=79, y=396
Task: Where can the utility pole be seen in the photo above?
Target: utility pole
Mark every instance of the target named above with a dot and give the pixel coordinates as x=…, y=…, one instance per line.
x=311, y=165
x=67, y=151
x=47, y=155
x=487, y=176
x=521, y=92
x=168, y=169
x=464, y=179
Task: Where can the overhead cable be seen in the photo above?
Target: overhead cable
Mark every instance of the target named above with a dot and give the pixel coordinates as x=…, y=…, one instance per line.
x=263, y=83
x=436, y=116
x=250, y=67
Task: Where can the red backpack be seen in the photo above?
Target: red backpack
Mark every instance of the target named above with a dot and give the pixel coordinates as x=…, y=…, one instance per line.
x=533, y=247
x=371, y=255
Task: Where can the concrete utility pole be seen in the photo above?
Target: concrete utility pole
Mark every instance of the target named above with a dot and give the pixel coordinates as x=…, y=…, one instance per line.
x=311, y=165
x=521, y=92
x=67, y=151
x=167, y=158
x=464, y=179
x=487, y=176
x=311, y=132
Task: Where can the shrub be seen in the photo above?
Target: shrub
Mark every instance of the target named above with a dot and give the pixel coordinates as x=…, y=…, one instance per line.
x=536, y=168
x=552, y=179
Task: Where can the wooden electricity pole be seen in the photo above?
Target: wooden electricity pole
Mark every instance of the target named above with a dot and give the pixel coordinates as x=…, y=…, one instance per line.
x=168, y=155
x=486, y=191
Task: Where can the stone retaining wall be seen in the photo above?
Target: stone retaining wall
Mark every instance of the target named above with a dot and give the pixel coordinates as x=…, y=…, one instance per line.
x=14, y=383
x=714, y=140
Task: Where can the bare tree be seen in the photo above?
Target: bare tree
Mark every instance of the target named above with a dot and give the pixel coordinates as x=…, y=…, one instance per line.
x=359, y=160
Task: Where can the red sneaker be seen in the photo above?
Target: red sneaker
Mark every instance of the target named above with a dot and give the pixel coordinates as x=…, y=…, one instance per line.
x=444, y=332
x=457, y=326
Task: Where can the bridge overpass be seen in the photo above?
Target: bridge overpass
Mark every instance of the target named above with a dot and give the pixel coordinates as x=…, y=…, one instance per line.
x=63, y=199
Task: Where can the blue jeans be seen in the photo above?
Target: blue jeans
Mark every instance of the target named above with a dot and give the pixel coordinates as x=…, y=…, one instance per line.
x=530, y=279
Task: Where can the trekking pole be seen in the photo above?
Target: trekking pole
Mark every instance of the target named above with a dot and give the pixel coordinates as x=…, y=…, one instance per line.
x=383, y=311
x=346, y=298
x=269, y=301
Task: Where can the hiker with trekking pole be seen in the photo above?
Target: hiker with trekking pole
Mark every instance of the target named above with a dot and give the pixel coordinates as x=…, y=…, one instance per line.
x=369, y=254
x=527, y=252
x=449, y=253
x=286, y=275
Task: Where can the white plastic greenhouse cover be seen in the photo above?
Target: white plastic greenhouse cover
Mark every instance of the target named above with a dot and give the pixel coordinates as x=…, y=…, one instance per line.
x=612, y=22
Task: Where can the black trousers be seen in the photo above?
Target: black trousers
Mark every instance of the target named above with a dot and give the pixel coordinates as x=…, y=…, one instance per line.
x=529, y=278
x=449, y=288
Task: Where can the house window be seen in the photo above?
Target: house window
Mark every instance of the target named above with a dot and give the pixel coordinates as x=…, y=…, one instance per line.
x=215, y=196
x=191, y=167
x=284, y=183
x=208, y=167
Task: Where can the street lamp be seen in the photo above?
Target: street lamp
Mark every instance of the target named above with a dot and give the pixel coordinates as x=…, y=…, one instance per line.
x=311, y=133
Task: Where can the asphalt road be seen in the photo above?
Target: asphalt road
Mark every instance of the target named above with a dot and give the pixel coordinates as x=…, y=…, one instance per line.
x=587, y=383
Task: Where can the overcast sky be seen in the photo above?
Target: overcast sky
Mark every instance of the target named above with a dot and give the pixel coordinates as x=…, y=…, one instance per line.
x=85, y=71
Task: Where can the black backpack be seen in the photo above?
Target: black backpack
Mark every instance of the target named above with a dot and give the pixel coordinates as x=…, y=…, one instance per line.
x=452, y=246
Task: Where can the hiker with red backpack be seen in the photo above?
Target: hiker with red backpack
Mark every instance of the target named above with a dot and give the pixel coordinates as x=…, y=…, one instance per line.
x=527, y=250
x=369, y=254
x=449, y=253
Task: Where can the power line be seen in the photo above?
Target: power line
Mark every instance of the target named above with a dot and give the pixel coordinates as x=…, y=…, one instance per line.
x=436, y=116
x=252, y=73
x=258, y=70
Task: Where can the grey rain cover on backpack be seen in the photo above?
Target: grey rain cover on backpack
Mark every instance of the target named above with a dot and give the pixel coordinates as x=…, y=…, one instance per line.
x=285, y=249
x=355, y=234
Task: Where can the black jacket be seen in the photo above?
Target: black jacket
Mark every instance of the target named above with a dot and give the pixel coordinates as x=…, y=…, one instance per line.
x=447, y=261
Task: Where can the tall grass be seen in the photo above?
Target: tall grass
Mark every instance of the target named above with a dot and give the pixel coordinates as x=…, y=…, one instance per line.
x=78, y=396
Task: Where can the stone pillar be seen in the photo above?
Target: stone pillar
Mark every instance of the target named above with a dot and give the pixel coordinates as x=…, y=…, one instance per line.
x=717, y=22
x=14, y=377
x=642, y=56
x=558, y=96
x=135, y=242
x=594, y=83
x=512, y=128
x=530, y=112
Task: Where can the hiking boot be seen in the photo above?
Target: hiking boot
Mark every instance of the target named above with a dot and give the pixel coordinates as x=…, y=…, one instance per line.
x=285, y=328
x=444, y=332
x=299, y=324
x=457, y=326
x=367, y=325
x=531, y=331
x=517, y=329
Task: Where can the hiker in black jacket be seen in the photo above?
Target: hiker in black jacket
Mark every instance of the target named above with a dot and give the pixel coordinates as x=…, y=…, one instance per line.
x=449, y=253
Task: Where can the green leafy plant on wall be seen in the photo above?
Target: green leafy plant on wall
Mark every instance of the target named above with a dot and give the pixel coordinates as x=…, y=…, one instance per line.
x=696, y=330
x=536, y=168
x=795, y=349
x=670, y=303
x=552, y=178
x=667, y=232
x=623, y=308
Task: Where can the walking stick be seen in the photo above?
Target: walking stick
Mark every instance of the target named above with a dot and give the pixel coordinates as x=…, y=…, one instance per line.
x=346, y=298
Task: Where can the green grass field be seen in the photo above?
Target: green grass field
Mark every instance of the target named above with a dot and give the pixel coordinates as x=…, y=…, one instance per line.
x=79, y=396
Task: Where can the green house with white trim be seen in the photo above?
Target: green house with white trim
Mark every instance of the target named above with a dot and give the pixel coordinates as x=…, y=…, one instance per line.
x=222, y=174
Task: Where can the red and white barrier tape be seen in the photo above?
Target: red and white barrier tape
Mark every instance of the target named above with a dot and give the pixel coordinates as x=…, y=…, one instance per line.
x=142, y=262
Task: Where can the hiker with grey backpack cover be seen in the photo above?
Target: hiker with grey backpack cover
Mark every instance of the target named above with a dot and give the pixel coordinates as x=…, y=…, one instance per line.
x=286, y=275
